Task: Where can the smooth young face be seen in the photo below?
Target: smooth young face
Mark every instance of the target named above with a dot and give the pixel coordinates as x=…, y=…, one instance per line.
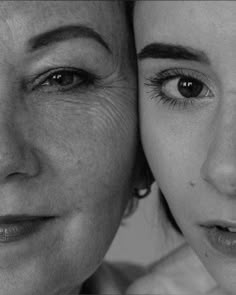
x=187, y=74
x=67, y=141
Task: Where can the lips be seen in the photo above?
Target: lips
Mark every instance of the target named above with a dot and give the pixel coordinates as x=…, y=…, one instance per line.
x=17, y=227
x=222, y=236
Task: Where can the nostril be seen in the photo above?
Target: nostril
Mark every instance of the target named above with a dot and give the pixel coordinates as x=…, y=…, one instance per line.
x=222, y=177
x=19, y=165
x=15, y=174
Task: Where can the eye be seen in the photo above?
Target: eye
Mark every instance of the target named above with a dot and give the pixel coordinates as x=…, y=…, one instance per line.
x=185, y=87
x=180, y=87
x=63, y=80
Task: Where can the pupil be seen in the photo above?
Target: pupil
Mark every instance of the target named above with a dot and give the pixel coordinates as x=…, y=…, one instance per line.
x=190, y=87
x=63, y=79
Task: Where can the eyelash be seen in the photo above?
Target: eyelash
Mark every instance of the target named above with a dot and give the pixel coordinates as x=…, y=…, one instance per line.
x=80, y=79
x=157, y=81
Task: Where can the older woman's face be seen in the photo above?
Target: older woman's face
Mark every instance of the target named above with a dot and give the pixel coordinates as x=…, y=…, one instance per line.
x=67, y=141
x=187, y=74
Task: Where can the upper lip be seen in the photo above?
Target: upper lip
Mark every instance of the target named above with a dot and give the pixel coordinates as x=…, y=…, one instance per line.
x=220, y=223
x=23, y=217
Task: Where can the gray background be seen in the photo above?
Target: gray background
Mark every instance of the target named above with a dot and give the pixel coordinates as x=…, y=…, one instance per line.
x=145, y=236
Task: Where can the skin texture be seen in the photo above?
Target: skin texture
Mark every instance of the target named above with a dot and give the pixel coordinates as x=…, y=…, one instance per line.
x=65, y=152
x=192, y=149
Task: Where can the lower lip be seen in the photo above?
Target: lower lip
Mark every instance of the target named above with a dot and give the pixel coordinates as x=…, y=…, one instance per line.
x=15, y=231
x=222, y=240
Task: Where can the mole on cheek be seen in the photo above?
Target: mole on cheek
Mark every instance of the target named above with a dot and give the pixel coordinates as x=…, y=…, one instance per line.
x=192, y=183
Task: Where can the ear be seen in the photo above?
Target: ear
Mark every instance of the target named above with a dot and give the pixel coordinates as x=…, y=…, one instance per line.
x=143, y=174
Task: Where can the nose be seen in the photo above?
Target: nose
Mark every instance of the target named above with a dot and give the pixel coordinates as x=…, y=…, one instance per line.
x=219, y=167
x=17, y=159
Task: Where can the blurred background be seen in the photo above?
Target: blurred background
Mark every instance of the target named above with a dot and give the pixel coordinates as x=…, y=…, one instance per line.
x=145, y=236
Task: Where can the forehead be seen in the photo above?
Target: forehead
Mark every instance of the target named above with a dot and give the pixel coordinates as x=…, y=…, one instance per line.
x=27, y=18
x=193, y=23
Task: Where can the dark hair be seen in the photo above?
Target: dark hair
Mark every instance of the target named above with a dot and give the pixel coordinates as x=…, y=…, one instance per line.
x=129, y=6
x=166, y=209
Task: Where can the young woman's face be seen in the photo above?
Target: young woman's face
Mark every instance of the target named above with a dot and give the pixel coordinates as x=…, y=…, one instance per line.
x=67, y=141
x=187, y=77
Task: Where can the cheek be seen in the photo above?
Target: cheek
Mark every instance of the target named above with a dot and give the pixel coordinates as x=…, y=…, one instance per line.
x=86, y=150
x=87, y=157
x=175, y=154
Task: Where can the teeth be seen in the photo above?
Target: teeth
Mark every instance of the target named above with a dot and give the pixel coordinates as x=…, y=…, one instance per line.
x=232, y=229
x=229, y=229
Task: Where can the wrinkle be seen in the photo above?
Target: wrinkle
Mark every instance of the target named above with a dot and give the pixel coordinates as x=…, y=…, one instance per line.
x=116, y=110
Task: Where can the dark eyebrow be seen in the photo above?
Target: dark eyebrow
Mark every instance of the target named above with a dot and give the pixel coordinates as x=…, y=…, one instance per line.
x=65, y=33
x=171, y=51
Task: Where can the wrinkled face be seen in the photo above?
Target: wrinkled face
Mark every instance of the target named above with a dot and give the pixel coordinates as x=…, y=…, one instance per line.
x=67, y=141
x=187, y=74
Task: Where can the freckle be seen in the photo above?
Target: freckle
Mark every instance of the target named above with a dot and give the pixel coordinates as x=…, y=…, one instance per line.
x=206, y=255
x=192, y=183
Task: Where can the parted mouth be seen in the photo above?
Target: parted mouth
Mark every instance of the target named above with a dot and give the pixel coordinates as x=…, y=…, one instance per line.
x=221, y=236
x=17, y=227
x=8, y=219
x=224, y=225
